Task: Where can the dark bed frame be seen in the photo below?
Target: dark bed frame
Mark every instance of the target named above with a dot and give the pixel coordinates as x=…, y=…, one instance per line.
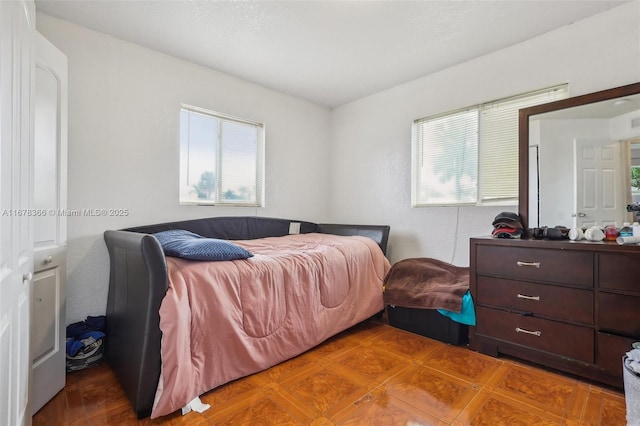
x=138, y=282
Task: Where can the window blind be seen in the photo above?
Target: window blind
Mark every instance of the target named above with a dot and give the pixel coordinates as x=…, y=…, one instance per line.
x=447, y=151
x=470, y=156
x=498, y=151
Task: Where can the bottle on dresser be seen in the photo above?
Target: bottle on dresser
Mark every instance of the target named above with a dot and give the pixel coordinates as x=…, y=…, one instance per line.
x=626, y=230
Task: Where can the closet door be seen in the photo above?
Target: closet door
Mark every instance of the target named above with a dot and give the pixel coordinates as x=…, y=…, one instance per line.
x=50, y=226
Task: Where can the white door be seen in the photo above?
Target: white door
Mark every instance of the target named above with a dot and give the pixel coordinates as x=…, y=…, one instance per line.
x=50, y=226
x=17, y=29
x=600, y=194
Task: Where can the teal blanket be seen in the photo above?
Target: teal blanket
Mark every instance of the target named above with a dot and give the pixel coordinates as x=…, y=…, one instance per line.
x=467, y=314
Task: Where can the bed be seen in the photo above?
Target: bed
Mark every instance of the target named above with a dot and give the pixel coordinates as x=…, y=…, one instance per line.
x=177, y=328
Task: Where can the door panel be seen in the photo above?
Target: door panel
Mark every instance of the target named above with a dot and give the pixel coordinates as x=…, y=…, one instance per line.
x=45, y=173
x=45, y=300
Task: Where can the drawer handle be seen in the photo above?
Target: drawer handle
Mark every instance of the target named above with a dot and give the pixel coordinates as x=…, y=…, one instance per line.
x=522, y=330
x=524, y=296
x=536, y=264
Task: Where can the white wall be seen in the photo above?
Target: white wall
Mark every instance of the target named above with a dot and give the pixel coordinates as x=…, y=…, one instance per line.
x=124, y=105
x=123, y=129
x=371, y=137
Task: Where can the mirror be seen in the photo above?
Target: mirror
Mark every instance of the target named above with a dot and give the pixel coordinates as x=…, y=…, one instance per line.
x=575, y=160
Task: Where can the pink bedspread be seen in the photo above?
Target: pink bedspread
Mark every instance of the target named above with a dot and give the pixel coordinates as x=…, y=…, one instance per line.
x=224, y=320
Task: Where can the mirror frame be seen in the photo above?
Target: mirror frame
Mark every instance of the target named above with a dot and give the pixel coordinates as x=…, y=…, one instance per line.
x=523, y=135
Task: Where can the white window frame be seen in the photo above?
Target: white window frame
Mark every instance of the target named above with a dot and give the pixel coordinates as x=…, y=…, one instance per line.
x=220, y=161
x=504, y=152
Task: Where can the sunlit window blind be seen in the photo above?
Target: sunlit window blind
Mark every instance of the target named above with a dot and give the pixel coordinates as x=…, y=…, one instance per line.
x=447, y=151
x=470, y=156
x=221, y=159
x=498, y=161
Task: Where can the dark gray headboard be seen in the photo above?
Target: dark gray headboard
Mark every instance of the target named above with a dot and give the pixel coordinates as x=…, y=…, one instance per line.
x=251, y=227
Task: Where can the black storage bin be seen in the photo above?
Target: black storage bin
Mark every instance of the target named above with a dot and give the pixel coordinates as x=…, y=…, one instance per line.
x=429, y=323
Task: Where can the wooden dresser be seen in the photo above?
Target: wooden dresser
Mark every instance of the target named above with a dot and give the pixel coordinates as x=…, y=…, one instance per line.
x=572, y=306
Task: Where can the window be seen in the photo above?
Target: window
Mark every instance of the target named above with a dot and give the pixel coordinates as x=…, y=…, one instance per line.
x=221, y=159
x=635, y=184
x=470, y=156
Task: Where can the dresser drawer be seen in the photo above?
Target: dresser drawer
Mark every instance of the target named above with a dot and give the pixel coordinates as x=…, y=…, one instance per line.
x=619, y=313
x=567, y=340
x=619, y=272
x=557, y=266
x=564, y=303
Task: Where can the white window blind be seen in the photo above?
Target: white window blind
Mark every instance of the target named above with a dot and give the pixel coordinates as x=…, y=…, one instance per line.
x=447, y=154
x=221, y=159
x=470, y=156
x=498, y=161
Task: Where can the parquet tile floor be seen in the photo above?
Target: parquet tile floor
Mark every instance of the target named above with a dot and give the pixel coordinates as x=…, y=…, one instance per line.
x=373, y=374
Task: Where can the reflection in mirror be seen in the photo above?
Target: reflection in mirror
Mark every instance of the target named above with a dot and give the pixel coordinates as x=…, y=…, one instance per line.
x=584, y=163
x=635, y=179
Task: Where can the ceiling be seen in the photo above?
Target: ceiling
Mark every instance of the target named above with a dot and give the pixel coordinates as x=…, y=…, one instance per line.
x=328, y=52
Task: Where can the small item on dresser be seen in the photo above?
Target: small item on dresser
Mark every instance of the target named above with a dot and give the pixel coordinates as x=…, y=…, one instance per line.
x=628, y=240
x=507, y=225
x=594, y=234
x=635, y=226
x=626, y=230
x=556, y=233
x=507, y=233
x=576, y=234
x=610, y=233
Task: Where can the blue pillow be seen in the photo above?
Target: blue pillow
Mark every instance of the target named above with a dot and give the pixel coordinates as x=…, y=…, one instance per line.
x=187, y=245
